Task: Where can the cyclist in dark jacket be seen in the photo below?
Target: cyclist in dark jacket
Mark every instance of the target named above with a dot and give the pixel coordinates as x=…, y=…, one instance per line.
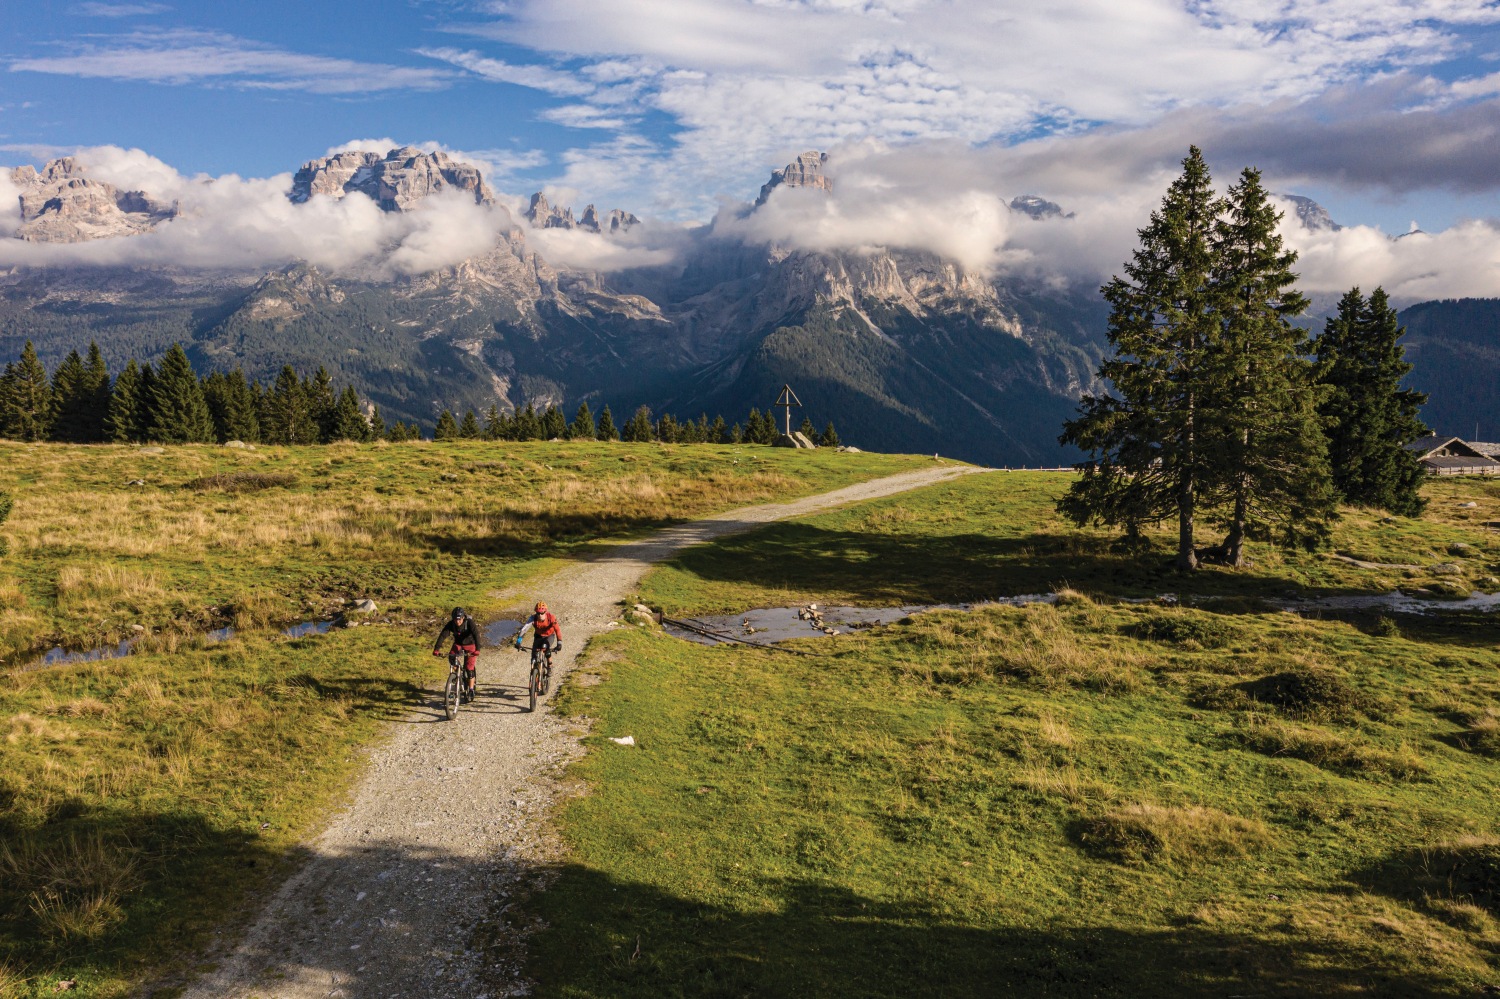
x=465, y=639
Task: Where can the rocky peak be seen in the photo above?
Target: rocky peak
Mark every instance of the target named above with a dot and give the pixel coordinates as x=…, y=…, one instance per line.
x=1038, y=208
x=396, y=181
x=805, y=171
x=547, y=216
x=1313, y=215
x=61, y=205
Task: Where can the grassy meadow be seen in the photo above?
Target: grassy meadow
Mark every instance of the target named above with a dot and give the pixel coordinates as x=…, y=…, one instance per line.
x=142, y=798
x=1096, y=798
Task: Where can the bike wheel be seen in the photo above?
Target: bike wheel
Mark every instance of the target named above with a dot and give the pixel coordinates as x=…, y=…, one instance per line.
x=546, y=677
x=450, y=694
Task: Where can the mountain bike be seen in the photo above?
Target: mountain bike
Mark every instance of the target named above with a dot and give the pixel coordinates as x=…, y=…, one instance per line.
x=453, y=693
x=541, y=674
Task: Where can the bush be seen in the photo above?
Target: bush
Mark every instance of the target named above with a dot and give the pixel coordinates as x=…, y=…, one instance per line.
x=1307, y=693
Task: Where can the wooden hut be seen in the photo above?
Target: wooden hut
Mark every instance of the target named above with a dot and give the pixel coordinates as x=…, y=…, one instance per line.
x=1452, y=456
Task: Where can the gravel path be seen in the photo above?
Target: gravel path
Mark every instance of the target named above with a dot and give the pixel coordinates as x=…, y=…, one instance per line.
x=447, y=823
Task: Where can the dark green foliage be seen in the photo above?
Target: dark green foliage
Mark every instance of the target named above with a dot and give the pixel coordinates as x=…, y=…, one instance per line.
x=233, y=406
x=735, y=435
x=6, y=505
x=807, y=429
x=668, y=430
x=447, y=427
x=349, y=424
x=320, y=399
x=528, y=424
x=607, y=431
x=71, y=402
x=1369, y=417
x=25, y=398
x=496, y=424
x=1307, y=693
x=179, y=413
x=469, y=428
x=241, y=482
x=829, y=437
x=122, y=421
x=286, y=415
x=718, y=433
x=1192, y=631
x=399, y=432
x=1147, y=457
x=638, y=429
x=378, y=430
x=759, y=429
x=582, y=428
x=554, y=424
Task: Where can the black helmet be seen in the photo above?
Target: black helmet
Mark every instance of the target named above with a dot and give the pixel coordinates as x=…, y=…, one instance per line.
x=458, y=612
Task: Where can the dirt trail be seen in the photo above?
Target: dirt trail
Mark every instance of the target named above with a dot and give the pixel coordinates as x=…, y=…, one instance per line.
x=443, y=823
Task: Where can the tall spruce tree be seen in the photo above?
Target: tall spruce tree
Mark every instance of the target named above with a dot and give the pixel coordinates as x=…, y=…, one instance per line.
x=96, y=381
x=554, y=424
x=378, y=429
x=1369, y=417
x=447, y=427
x=240, y=418
x=829, y=437
x=582, y=428
x=72, y=402
x=179, y=413
x=1147, y=456
x=469, y=428
x=528, y=424
x=322, y=402
x=718, y=433
x=122, y=421
x=349, y=423
x=25, y=398
x=286, y=415
x=668, y=430
x=1265, y=445
x=607, y=431
x=494, y=424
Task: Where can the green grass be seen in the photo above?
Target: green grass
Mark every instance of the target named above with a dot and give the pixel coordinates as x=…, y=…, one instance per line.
x=142, y=799
x=1092, y=799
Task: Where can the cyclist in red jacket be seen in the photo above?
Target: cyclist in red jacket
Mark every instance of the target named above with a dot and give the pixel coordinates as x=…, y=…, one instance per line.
x=548, y=630
x=465, y=639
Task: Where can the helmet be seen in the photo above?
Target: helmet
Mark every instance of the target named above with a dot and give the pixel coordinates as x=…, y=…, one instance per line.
x=458, y=612
x=541, y=607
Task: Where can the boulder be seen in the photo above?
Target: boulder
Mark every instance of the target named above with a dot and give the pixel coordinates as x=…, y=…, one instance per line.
x=795, y=439
x=1447, y=569
x=362, y=606
x=234, y=444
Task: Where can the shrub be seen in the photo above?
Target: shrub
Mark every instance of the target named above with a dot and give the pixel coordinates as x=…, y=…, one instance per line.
x=1385, y=627
x=1307, y=693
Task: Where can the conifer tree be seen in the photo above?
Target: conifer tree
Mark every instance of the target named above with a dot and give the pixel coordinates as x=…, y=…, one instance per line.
x=322, y=403
x=736, y=435
x=241, y=417
x=349, y=424
x=286, y=415
x=72, y=402
x=638, y=427
x=1265, y=445
x=494, y=424
x=668, y=430
x=607, y=431
x=1368, y=416
x=528, y=424
x=378, y=429
x=830, y=436
x=96, y=381
x=554, y=424
x=469, y=428
x=447, y=427
x=718, y=433
x=25, y=398
x=582, y=428
x=122, y=421
x=1148, y=459
x=807, y=430
x=179, y=414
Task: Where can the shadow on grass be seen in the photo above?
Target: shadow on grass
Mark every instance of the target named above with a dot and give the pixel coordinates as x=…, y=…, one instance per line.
x=614, y=938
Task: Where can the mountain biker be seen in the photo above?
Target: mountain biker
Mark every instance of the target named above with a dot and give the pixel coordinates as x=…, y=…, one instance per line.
x=465, y=639
x=548, y=630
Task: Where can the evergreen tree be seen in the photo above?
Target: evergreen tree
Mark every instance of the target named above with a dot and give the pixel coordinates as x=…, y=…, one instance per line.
x=528, y=424
x=638, y=427
x=607, y=431
x=830, y=436
x=447, y=427
x=72, y=402
x=179, y=414
x=400, y=432
x=122, y=421
x=736, y=435
x=582, y=428
x=718, y=433
x=469, y=428
x=807, y=430
x=554, y=424
x=1368, y=416
x=322, y=403
x=668, y=431
x=1147, y=454
x=25, y=398
x=378, y=430
x=96, y=380
x=286, y=415
x=494, y=424
x=349, y=423
x=215, y=392
x=1266, y=449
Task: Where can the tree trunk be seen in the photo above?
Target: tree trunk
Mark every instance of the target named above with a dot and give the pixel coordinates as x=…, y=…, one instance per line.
x=1187, y=558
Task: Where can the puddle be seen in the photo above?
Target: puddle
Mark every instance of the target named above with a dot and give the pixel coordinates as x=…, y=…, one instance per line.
x=500, y=632
x=1396, y=603
x=779, y=624
x=60, y=656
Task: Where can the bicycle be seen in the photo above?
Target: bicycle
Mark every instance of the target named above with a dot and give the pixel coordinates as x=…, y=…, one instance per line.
x=541, y=674
x=453, y=694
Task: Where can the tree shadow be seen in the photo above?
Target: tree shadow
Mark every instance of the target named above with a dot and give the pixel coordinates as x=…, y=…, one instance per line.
x=611, y=937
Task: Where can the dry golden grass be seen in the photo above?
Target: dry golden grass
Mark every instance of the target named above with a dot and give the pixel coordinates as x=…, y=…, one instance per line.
x=24, y=726
x=74, y=884
x=92, y=589
x=86, y=707
x=1482, y=732
x=1323, y=748
x=1142, y=832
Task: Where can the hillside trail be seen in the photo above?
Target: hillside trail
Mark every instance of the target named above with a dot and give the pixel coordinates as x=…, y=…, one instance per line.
x=446, y=822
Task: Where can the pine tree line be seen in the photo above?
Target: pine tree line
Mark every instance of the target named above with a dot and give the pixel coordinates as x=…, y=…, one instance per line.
x=550, y=424
x=170, y=404
x=1223, y=411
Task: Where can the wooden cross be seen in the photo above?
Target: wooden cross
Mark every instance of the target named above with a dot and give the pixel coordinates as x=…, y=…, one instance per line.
x=787, y=399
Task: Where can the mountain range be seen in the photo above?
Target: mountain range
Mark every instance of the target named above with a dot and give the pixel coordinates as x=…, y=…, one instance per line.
x=902, y=350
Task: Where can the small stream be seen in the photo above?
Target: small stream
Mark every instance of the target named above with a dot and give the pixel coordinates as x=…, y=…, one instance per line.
x=59, y=656
x=768, y=625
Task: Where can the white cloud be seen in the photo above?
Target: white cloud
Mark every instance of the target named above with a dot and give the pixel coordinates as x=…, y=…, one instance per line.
x=582, y=116
x=542, y=78
x=181, y=56
x=120, y=9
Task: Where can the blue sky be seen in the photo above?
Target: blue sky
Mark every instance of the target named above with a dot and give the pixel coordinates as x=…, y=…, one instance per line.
x=1386, y=113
